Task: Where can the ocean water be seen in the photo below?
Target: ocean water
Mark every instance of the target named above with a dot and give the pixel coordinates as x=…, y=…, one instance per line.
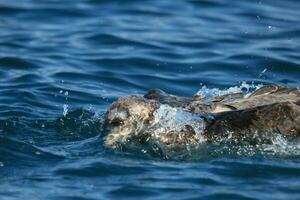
x=62, y=63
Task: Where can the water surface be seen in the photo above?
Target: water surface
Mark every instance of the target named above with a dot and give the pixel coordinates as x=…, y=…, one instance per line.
x=63, y=62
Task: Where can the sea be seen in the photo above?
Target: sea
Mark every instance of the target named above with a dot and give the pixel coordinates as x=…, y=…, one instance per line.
x=62, y=63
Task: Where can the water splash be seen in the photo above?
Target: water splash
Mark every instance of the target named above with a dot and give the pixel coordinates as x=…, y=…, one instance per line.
x=65, y=111
x=170, y=119
x=281, y=146
x=244, y=87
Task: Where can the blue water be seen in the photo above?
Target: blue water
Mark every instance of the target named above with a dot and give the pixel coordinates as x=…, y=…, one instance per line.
x=62, y=63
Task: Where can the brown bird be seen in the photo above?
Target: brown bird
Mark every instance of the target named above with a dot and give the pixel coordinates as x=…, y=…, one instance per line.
x=172, y=121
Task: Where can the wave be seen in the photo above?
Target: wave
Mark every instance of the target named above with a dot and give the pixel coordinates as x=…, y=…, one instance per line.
x=17, y=153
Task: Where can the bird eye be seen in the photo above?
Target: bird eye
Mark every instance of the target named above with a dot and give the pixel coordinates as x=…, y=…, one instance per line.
x=117, y=122
x=116, y=117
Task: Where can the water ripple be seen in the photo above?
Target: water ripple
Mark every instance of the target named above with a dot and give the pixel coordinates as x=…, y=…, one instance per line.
x=63, y=63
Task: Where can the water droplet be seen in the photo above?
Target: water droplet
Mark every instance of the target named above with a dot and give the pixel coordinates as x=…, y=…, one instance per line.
x=262, y=73
x=66, y=93
x=65, y=112
x=144, y=150
x=1, y=164
x=90, y=107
